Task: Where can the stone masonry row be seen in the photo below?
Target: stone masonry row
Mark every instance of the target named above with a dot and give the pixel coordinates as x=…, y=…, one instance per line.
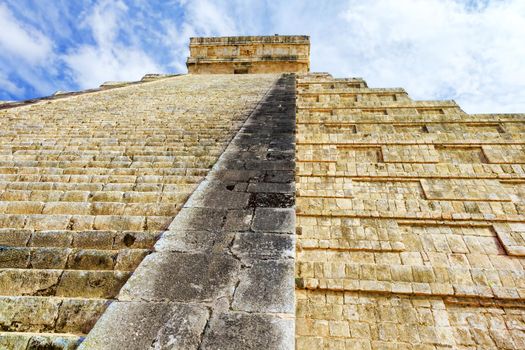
x=410, y=221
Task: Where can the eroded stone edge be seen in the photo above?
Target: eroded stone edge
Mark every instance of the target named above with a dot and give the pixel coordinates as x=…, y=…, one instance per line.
x=222, y=275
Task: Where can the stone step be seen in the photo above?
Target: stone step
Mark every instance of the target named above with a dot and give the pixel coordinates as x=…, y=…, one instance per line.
x=174, y=155
x=85, y=222
x=139, y=133
x=126, y=156
x=36, y=341
x=125, y=139
x=10, y=154
x=115, y=124
x=104, y=161
x=104, y=240
x=86, y=208
x=192, y=162
x=166, y=148
x=70, y=258
x=330, y=84
x=91, y=127
x=97, y=148
x=62, y=283
x=45, y=148
x=122, y=187
x=141, y=175
x=21, y=314
x=101, y=150
x=87, y=185
x=198, y=146
x=82, y=175
x=49, y=196
x=363, y=91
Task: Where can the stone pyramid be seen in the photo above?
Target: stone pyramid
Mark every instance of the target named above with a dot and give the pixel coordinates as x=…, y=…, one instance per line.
x=252, y=204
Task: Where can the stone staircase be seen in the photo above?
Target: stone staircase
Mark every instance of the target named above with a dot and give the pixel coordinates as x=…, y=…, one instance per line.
x=87, y=185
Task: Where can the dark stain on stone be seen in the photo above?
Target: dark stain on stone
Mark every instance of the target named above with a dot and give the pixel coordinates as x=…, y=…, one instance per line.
x=129, y=240
x=271, y=200
x=279, y=156
x=41, y=343
x=279, y=176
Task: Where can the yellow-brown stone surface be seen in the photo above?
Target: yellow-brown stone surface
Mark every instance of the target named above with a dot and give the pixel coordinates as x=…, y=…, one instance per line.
x=409, y=215
x=88, y=183
x=410, y=221
x=249, y=54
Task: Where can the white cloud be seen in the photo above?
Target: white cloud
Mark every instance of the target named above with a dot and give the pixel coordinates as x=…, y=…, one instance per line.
x=104, y=21
x=471, y=51
x=92, y=65
x=21, y=41
x=440, y=49
x=8, y=86
x=200, y=18
x=109, y=58
x=176, y=42
x=468, y=50
x=209, y=19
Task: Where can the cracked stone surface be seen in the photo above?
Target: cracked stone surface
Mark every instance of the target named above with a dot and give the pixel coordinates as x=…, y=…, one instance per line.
x=151, y=326
x=195, y=241
x=182, y=277
x=274, y=220
x=240, y=331
x=222, y=276
x=263, y=246
x=266, y=287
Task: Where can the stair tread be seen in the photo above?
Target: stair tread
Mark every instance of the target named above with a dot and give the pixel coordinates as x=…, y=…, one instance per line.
x=89, y=239
x=58, y=282
x=44, y=315
x=71, y=258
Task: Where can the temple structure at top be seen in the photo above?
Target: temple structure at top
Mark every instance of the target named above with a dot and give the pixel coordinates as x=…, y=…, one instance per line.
x=249, y=54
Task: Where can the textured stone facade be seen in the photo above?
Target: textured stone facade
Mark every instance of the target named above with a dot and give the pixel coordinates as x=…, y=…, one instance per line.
x=410, y=221
x=221, y=276
x=87, y=185
x=249, y=54
x=164, y=211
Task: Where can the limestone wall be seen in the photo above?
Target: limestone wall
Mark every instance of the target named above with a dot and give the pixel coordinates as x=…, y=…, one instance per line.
x=410, y=222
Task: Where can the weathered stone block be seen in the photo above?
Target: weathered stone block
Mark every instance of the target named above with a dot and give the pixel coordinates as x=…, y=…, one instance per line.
x=160, y=277
x=280, y=220
x=263, y=246
x=162, y=326
x=266, y=286
x=237, y=330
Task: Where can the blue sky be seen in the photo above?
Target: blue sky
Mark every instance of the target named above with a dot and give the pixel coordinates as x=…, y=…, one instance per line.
x=471, y=51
